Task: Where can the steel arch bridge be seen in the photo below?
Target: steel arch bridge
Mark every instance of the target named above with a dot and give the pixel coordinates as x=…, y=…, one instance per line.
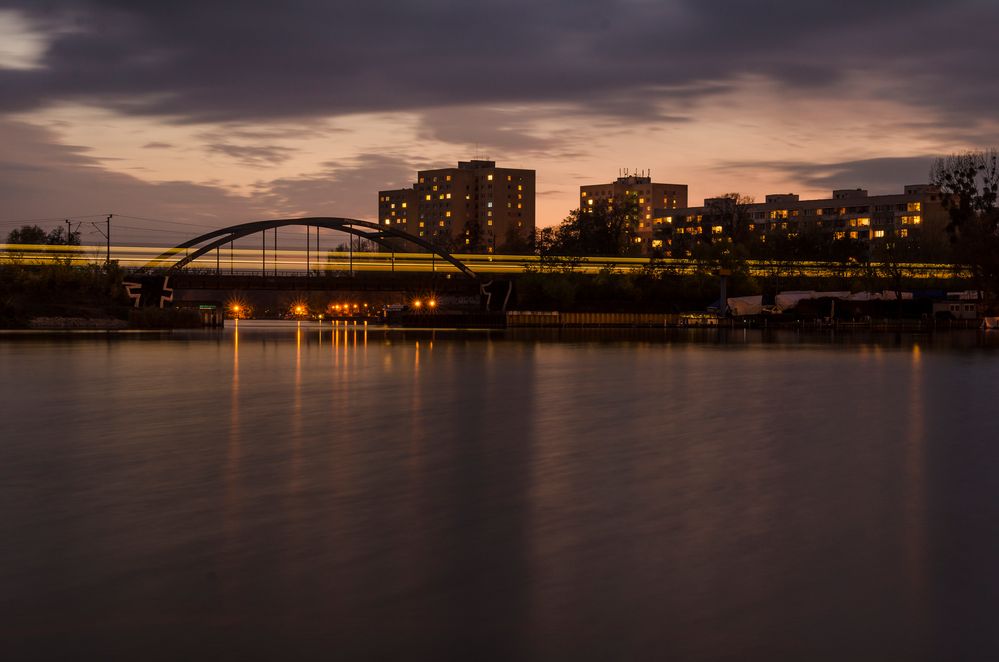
x=364, y=229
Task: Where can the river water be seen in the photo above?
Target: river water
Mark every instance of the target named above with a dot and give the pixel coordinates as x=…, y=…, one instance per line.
x=288, y=491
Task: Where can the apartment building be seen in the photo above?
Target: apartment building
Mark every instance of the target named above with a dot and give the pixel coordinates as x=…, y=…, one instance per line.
x=649, y=195
x=849, y=213
x=475, y=207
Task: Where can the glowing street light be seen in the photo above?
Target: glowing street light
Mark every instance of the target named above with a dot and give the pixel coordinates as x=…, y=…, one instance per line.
x=417, y=304
x=432, y=303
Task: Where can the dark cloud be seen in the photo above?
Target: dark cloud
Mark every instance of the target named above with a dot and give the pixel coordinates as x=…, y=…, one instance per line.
x=879, y=176
x=253, y=60
x=343, y=188
x=257, y=156
x=42, y=179
x=157, y=145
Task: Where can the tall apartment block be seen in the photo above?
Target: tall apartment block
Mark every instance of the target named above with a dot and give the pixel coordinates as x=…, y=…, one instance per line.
x=648, y=194
x=475, y=207
x=848, y=214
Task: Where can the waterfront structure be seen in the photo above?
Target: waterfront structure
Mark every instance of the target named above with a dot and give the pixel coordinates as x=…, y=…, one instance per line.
x=649, y=196
x=475, y=207
x=917, y=212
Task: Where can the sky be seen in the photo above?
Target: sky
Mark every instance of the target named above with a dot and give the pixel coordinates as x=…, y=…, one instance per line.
x=183, y=115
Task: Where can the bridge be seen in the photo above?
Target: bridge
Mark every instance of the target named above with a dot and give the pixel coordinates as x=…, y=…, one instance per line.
x=216, y=239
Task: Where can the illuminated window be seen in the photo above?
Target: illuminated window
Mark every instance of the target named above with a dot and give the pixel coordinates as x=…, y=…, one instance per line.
x=840, y=235
x=489, y=222
x=716, y=229
x=520, y=205
x=404, y=205
x=657, y=243
x=388, y=222
x=448, y=178
x=447, y=195
x=421, y=225
x=638, y=240
x=864, y=222
x=448, y=213
x=904, y=232
x=489, y=204
x=428, y=196
x=467, y=241
x=641, y=201
x=422, y=180
x=509, y=178
x=440, y=223
x=520, y=187
x=914, y=206
x=879, y=233
x=435, y=185
x=440, y=196
x=853, y=235
x=911, y=220
x=648, y=216
x=582, y=194
x=590, y=202
x=489, y=177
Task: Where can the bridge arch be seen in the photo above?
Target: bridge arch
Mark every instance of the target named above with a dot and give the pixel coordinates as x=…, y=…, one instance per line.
x=364, y=229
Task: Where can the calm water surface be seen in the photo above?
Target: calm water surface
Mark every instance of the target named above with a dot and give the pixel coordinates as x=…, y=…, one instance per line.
x=285, y=492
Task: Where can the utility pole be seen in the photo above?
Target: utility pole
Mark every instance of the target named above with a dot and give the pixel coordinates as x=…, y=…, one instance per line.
x=107, y=236
x=69, y=231
x=350, y=253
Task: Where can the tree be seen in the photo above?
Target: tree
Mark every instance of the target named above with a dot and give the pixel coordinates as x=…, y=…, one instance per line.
x=601, y=229
x=969, y=184
x=32, y=234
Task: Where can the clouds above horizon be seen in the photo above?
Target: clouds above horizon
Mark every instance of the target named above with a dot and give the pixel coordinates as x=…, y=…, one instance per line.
x=268, y=101
x=227, y=60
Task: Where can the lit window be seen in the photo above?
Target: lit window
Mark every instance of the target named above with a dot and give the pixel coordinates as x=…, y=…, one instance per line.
x=638, y=240
x=509, y=178
x=590, y=202
x=489, y=222
x=388, y=222
x=440, y=223
x=422, y=181
x=657, y=243
x=641, y=201
x=864, y=222
x=404, y=205
x=448, y=178
x=428, y=196
x=489, y=177
x=447, y=195
x=840, y=235
x=853, y=235
x=448, y=213
x=421, y=224
x=520, y=187
x=914, y=206
x=489, y=204
x=879, y=233
x=904, y=232
x=582, y=194
x=467, y=241
x=435, y=185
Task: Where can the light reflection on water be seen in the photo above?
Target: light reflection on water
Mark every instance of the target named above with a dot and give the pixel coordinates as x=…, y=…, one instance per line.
x=285, y=488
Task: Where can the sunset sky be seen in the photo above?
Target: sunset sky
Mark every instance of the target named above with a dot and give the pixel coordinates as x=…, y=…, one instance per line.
x=209, y=113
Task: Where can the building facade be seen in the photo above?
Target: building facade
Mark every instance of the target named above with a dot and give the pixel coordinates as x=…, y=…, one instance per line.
x=848, y=214
x=474, y=208
x=649, y=196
